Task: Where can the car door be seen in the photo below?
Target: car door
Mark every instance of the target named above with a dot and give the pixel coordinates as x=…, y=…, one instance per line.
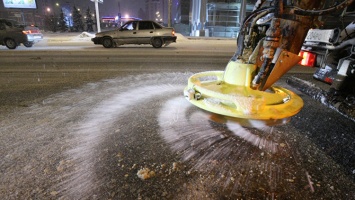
x=127, y=33
x=2, y=30
x=145, y=32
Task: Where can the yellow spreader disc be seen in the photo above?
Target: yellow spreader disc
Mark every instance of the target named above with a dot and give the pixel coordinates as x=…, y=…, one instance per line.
x=228, y=93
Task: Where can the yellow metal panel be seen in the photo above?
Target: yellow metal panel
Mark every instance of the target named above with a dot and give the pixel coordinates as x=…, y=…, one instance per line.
x=238, y=100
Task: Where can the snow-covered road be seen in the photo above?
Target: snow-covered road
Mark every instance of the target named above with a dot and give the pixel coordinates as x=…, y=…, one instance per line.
x=92, y=141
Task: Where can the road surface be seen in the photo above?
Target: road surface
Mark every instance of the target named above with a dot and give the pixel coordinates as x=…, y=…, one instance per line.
x=78, y=121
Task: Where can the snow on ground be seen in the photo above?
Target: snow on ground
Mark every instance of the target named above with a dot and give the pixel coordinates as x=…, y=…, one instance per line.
x=86, y=36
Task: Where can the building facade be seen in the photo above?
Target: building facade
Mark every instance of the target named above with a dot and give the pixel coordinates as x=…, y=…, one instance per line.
x=154, y=10
x=218, y=18
x=215, y=18
x=158, y=10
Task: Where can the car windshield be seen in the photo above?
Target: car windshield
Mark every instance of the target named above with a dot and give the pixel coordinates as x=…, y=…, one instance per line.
x=129, y=26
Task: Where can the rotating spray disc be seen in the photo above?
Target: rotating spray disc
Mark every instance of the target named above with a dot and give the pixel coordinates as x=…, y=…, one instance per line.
x=228, y=93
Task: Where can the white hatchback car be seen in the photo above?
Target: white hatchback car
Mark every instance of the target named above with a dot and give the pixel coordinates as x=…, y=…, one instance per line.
x=137, y=32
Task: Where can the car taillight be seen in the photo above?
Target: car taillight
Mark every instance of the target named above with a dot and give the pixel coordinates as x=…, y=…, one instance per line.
x=308, y=58
x=328, y=80
x=173, y=32
x=31, y=31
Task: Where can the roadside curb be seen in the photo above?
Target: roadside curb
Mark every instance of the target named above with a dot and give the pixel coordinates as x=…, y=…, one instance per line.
x=321, y=96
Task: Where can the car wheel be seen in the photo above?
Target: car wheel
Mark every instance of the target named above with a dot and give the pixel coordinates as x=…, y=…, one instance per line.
x=157, y=42
x=28, y=44
x=107, y=42
x=10, y=43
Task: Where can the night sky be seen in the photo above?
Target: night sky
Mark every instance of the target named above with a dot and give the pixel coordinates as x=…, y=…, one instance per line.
x=109, y=7
x=128, y=7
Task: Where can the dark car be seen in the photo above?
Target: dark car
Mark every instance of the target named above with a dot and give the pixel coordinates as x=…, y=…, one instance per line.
x=137, y=32
x=12, y=34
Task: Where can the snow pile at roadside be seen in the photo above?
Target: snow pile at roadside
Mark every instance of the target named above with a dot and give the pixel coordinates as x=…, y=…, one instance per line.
x=84, y=36
x=180, y=37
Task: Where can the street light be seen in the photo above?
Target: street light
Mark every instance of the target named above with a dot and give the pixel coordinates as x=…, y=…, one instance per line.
x=169, y=13
x=97, y=13
x=70, y=18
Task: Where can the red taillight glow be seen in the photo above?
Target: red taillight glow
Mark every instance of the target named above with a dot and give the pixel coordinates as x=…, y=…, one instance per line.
x=328, y=80
x=308, y=58
x=30, y=31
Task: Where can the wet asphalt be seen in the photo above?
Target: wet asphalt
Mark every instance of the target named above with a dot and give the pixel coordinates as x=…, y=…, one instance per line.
x=118, y=134
x=104, y=141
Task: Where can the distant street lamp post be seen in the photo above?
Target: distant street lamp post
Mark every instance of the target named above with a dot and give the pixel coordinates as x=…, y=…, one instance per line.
x=169, y=13
x=70, y=19
x=97, y=13
x=47, y=19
